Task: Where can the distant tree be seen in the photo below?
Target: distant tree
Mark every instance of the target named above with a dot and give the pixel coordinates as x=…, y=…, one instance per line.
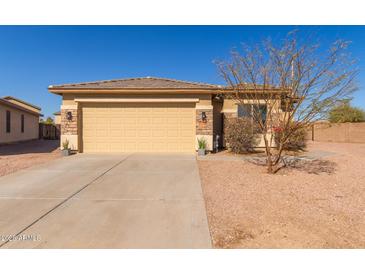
x=48, y=121
x=344, y=112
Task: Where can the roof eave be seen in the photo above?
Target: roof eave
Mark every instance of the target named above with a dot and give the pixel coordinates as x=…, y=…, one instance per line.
x=273, y=90
x=18, y=107
x=21, y=101
x=133, y=90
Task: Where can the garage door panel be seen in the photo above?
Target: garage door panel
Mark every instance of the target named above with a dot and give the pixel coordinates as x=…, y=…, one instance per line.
x=144, y=145
x=102, y=133
x=102, y=147
x=129, y=120
x=114, y=120
x=172, y=133
x=185, y=120
x=145, y=111
x=144, y=133
x=158, y=121
x=116, y=146
x=185, y=133
x=130, y=146
x=116, y=133
x=129, y=110
x=144, y=121
x=185, y=146
x=162, y=127
x=173, y=120
x=88, y=133
x=159, y=132
x=132, y=132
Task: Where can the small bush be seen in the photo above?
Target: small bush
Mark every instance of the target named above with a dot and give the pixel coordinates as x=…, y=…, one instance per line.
x=295, y=142
x=202, y=143
x=65, y=144
x=241, y=135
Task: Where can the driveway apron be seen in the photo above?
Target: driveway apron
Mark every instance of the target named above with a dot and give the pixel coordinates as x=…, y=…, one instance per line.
x=105, y=201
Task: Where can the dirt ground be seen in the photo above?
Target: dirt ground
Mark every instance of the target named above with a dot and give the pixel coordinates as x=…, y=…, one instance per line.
x=14, y=157
x=297, y=208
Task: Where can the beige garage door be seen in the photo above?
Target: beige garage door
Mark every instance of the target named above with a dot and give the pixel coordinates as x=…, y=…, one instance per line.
x=138, y=127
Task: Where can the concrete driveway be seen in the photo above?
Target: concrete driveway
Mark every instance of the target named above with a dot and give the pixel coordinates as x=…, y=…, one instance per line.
x=105, y=201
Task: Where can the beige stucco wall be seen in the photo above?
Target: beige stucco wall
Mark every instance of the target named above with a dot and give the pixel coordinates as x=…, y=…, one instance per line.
x=57, y=119
x=231, y=104
x=72, y=139
x=31, y=125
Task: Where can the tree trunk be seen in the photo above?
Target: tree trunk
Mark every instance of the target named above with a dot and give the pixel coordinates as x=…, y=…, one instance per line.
x=269, y=164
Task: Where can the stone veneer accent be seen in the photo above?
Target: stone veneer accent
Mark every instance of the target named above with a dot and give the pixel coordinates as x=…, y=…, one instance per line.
x=204, y=127
x=69, y=127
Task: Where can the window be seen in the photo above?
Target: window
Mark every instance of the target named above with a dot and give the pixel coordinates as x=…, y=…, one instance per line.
x=22, y=123
x=7, y=121
x=248, y=110
x=245, y=111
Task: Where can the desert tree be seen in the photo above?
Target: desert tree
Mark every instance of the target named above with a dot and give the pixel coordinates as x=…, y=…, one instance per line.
x=343, y=112
x=286, y=86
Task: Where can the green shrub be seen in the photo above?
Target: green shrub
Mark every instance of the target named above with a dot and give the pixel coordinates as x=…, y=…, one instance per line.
x=296, y=141
x=202, y=143
x=65, y=144
x=241, y=135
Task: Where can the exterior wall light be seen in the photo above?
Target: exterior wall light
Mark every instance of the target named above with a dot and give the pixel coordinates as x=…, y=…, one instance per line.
x=69, y=115
x=218, y=97
x=204, y=116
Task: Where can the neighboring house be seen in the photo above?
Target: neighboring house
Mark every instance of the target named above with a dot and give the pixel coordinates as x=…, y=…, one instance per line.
x=57, y=118
x=142, y=115
x=19, y=120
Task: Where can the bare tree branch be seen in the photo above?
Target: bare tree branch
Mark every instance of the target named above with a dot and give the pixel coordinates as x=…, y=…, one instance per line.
x=297, y=82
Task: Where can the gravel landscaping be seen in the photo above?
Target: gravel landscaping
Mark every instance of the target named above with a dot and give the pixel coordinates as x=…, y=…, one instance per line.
x=14, y=157
x=319, y=203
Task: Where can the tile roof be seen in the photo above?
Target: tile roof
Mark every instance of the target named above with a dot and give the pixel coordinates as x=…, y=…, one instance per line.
x=16, y=106
x=138, y=83
x=21, y=101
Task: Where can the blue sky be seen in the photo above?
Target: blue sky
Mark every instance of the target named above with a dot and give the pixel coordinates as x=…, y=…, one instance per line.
x=33, y=57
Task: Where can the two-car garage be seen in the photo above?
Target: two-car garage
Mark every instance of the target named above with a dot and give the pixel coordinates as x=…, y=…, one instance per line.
x=138, y=127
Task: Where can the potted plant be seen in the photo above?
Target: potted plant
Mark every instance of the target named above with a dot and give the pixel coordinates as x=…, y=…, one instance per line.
x=202, y=144
x=65, y=148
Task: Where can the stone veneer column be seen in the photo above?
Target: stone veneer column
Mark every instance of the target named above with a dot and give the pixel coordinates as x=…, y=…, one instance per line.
x=69, y=128
x=204, y=129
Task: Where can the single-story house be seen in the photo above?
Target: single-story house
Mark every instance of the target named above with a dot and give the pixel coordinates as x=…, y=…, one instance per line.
x=142, y=115
x=19, y=120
